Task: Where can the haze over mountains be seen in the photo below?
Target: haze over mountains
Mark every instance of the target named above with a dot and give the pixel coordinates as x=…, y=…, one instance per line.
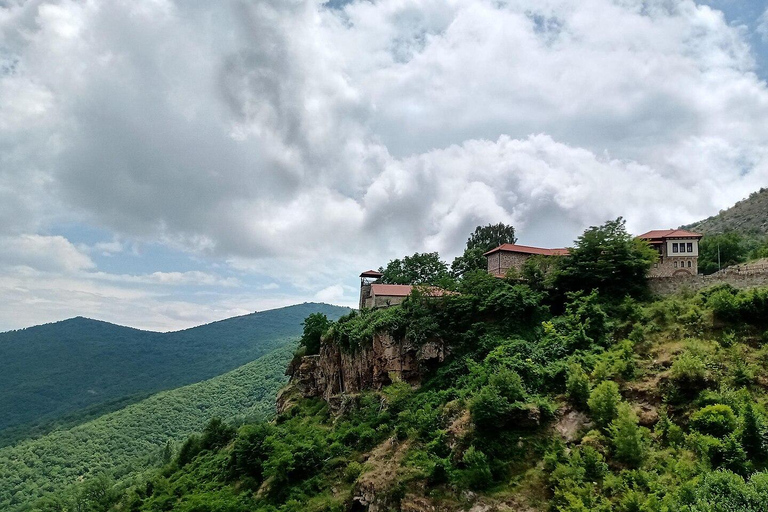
x=67, y=367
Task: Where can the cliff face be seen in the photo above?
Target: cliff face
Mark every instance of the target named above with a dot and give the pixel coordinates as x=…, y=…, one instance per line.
x=384, y=361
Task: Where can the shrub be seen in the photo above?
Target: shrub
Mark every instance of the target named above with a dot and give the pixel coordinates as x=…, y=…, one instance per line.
x=352, y=471
x=509, y=384
x=627, y=436
x=603, y=402
x=577, y=386
x=715, y=420
x=689, y=372
x=753, y=433
x=476, y=473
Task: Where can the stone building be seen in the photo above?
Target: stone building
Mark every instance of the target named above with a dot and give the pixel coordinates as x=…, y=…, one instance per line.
x=375, y=294
x=678, y=252
x=507, y=256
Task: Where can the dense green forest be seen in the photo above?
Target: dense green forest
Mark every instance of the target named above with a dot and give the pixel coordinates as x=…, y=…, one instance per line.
x=59, y=374
x=553, y=398
x=121, y=445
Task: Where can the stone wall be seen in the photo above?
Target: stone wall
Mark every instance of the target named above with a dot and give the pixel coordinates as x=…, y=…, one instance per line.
x=501, y=261
x=741, y=277
x=384, y=361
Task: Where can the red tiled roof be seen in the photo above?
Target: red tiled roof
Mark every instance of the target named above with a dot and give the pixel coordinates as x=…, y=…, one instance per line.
x=391, y=290
x=371, y=273
x=657, y=234
x=525, y=249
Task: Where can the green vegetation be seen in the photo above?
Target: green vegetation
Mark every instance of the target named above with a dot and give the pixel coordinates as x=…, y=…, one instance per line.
x=482, y=240
x=747, y=217
x=122, y=444
x=587, y=400
x=58, y=375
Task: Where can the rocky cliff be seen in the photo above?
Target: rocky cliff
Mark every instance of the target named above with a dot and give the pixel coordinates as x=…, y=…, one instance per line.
x=385, y=360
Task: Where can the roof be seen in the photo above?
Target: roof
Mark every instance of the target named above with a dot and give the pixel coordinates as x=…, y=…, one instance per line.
x=526, y=249
x=371, y=273
x=391, y=290
x=658, y=234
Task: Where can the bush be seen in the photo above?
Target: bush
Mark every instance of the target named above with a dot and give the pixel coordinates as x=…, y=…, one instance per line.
x=509, y=384
x=476, y=473
x=577, y=386
x=715, y=420
x=627, y=436
x=689, y=372
x=603, y=403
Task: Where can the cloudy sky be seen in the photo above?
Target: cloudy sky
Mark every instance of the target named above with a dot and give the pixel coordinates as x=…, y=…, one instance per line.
x=165, y=164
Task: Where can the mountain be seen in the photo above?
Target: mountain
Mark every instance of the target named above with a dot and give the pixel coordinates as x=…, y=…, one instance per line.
x=748, y=217
x=126, y=442
x=61, y=371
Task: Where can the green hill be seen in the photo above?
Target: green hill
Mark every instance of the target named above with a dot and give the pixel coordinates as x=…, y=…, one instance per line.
x=747, y=217
x=124, y=443
x=76, y=368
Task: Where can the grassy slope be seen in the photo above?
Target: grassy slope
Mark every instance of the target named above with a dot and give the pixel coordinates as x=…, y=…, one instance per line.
x=127, y=441
x=51, y=371
x=746, y=217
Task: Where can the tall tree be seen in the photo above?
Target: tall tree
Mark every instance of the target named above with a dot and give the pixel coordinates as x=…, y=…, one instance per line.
x=315, y=326
x=421, y=268
x=728, y=248
x=482, y=240
x=608, y=259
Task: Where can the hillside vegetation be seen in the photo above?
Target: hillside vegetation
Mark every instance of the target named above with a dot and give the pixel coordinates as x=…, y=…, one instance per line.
x=579, y=401
x=120, y=445
x=747, y=217
x=59, y=374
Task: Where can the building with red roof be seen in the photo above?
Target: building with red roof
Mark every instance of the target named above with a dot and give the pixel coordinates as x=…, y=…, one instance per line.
x=678, y=252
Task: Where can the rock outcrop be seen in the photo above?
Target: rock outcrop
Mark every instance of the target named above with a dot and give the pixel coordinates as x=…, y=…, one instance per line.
x=384, y=361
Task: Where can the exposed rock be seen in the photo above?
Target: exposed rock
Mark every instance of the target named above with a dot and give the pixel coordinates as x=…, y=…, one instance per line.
x=384, y=361
x=570, y=424
x=373, y=489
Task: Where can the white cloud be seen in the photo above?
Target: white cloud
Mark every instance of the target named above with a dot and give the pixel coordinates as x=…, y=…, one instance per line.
x=762, y=26
x=43, y=253
x=309, y=143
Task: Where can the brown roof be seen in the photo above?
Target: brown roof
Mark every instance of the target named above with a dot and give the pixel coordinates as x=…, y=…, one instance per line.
x=525, y=249
x=371, y=273
x=658, y=234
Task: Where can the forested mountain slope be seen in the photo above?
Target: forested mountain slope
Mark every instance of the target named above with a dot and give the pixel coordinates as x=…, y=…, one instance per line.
x=747, y=217
x=124, y=443
x=65, y=367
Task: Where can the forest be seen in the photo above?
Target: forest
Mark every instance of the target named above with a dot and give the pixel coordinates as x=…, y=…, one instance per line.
x=119, y=447
x=58, y=375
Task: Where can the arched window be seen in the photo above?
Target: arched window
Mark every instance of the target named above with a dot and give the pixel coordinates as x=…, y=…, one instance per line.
x=675, y=264
x=690, y=264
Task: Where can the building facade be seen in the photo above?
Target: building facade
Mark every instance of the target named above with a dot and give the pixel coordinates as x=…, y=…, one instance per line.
x=678, y=252
x=513, y=256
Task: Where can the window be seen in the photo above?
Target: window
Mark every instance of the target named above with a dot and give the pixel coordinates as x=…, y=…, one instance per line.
x=674, y=247
x=690, y=246
x=690, y=264
x=675, y=262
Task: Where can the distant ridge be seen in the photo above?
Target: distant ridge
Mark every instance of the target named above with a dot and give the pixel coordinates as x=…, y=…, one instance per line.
x=57, y=369
x=748, y=217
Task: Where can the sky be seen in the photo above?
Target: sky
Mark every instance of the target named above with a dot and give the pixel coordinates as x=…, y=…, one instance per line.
x=165, y=164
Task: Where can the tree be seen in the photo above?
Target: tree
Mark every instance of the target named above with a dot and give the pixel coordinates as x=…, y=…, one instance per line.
x=482, y=240
x=421, y=268
x=627, y=436
x=731, y=247
x=608, y=259
x=604, y=402
x=315, y=326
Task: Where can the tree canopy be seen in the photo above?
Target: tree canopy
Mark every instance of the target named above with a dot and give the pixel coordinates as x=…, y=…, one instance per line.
x=315, y=326
x=421, y=268
x=608, y=259
x=482, y=240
